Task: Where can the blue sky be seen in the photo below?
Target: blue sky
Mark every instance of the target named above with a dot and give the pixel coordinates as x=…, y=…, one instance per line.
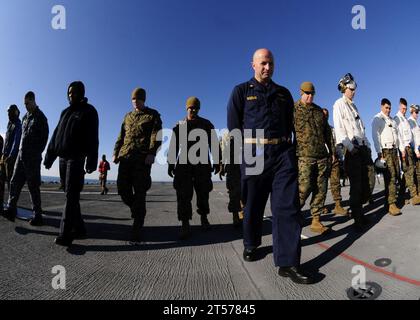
x=176, y=49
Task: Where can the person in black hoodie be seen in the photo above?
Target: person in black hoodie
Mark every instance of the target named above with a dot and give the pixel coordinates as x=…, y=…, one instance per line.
x=75, y=141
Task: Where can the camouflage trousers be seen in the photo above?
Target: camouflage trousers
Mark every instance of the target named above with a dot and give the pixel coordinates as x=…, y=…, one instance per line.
x=361, y=173
x=313, y=178
x=6, y=173
x=409, y=169
x=233, y=185
x=391, y=174
x=418, y=175
x=133, y=182
x=335, y=180
x=188, y=178
x=29, y=171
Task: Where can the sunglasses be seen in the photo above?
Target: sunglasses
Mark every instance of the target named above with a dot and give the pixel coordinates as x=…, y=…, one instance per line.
x=309, y=93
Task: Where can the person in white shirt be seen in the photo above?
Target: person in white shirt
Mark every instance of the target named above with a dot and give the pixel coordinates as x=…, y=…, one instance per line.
x=350, y=131
x=407, y=154
x=385, y=139
x=415, y=128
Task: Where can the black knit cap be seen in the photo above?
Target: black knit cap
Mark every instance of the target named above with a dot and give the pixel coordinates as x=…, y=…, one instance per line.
x=78, y=86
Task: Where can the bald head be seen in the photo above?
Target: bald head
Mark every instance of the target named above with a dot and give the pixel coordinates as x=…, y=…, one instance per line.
x=263, y=65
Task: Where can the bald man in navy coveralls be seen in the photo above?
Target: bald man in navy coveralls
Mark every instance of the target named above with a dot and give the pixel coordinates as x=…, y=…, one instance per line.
x=262, y=104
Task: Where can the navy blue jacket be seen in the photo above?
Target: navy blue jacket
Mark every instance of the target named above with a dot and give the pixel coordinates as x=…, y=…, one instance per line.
x=255, y=106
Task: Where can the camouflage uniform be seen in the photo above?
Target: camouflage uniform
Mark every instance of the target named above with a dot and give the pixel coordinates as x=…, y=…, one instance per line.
x=28, y=164
x=391, y=174
x=313, y=136
x=233, y=175
x=188, y=176
x=409, y=164
x=137, y=139
x=9, y=154
x=335, y=171
x=385, y=138
x=409, y=169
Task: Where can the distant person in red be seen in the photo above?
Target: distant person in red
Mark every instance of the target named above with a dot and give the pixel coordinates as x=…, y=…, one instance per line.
x=103, y=172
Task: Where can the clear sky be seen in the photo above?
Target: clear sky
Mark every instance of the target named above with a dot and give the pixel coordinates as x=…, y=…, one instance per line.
x=175, y=49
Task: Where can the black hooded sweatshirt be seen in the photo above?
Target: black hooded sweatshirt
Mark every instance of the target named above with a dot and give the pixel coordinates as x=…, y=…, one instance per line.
x=76, y=136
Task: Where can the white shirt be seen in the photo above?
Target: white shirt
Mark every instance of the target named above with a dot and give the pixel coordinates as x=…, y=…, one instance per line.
x=415, y=129
x=384, y=133
x=348, y=124
x=404, y=131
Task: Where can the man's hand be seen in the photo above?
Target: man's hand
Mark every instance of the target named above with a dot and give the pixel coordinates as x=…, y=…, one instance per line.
x=418, y=154
x=403, y=155
x=380, y=155
x=150, y=159
x=115, y=159
x=222, y=172
x=171, y=170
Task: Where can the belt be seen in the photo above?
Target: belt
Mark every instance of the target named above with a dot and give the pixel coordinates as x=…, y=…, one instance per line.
x=389, y=146
x=267, y=141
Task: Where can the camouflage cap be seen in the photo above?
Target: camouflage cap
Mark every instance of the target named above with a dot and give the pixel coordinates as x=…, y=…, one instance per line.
x=193, y=102
x=307, y=87
x=139, y=93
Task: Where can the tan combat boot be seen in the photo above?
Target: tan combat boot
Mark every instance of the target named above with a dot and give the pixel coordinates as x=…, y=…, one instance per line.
x=415, y=200
x=339, y=210
x=318, y=227
x=394, y=210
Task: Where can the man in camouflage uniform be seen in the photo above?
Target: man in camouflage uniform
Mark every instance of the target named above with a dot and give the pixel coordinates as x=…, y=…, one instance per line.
x=415, y=128
x=10, y=150
x=135, y=151
x=335, y=164
x=407, y=153
x=232, y=171
x=193, y=175
x=28, y=163
x=385, y=138
x=313, y=136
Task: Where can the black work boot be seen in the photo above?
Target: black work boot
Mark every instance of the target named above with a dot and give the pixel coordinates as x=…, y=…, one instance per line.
x=64, y=241
x=185, y=230
x=205, y=222
x=135, y=238
x=37, y=220
x=10, y=214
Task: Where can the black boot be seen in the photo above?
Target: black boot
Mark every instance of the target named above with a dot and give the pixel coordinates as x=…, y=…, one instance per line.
x=205, y=222
x=185, y=230
x=10, y=214
x=135, y=237
x=37, y=220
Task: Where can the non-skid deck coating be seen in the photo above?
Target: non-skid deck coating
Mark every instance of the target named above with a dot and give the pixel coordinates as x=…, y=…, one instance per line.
x=208, y=266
